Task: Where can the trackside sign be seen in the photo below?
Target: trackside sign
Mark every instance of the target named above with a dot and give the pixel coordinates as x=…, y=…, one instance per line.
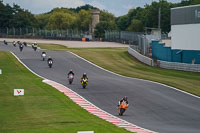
x=18, y=92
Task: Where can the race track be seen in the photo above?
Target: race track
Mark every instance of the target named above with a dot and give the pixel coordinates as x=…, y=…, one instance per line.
x=152, y=106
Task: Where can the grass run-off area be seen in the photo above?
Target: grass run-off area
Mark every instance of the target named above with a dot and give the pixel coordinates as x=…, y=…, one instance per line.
x=52, y=46
x=119, y=61
x=42, y=109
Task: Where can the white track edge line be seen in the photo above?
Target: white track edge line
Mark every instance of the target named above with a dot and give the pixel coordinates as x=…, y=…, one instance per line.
x=134, y=78
x=79, y=95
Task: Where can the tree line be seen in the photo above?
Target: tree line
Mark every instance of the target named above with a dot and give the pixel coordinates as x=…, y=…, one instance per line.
x=79, y=18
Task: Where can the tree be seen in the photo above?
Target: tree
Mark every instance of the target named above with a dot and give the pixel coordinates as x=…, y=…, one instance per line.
x=123, y=22
x=103, y=26
x=42, y=20
x=83, y=20
x=136, y=26
x=23, y=18
x=106, y=16
x=6, y=14
x=61, y=20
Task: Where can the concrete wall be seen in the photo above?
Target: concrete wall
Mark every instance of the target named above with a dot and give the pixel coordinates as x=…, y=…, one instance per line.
x=179, y=66
x=140, y=57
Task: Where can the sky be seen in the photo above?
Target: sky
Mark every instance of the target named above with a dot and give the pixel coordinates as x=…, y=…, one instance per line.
x=116, y=7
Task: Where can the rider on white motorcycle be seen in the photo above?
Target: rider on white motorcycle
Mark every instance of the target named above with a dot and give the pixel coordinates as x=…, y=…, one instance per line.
x=70, y=72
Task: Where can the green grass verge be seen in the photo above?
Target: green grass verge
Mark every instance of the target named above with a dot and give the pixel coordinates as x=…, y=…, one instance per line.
x=119, y=61
x=52, y=46
x=42, y=109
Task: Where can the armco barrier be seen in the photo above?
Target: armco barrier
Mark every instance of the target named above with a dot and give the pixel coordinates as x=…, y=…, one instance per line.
x=140, y=57
x=179, y=66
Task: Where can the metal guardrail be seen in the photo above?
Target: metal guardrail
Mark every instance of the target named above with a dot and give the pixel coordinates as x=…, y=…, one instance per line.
x=140, y=57
x=179, y=66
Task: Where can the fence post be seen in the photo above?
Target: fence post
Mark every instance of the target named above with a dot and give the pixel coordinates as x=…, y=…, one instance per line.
x=33, y=31
x=7, y=30
x=45, y=33
x=14, y=30
x=20, y=31
x=26, y=31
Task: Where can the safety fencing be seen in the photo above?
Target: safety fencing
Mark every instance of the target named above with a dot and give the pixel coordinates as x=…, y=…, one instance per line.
x=179, y=66
x=140, y=57
x=68, y=34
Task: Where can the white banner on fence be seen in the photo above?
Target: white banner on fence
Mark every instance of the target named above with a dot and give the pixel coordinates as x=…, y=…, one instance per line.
x=18, y=92
x=85, y=132
x=0, y=71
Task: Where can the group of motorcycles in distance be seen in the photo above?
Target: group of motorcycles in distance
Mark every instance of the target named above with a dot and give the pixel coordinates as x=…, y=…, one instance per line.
x=34, y=46
x=84, y=80
x=22, y=45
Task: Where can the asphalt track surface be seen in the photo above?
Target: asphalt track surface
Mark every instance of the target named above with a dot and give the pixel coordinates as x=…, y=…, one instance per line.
x=152, y=106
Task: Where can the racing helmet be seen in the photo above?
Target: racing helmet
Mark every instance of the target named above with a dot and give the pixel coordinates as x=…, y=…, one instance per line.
x=125, y=98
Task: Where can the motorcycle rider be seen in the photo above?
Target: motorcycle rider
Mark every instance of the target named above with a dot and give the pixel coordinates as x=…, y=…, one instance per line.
x=49, y=59
x=70, y=72
x=14, y=43
x=84, y=76
x=44, y=53
x=21, y=46
x=34, y=45
x=25, y=44
x=125, y=99
x=5, y=42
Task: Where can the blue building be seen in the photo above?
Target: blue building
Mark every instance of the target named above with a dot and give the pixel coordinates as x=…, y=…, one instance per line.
x=165, y=53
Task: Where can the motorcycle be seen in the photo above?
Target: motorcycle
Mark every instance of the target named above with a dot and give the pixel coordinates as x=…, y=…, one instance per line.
x=43, y=56
x=21, y=47
x=14, y=44
x=25, y=44
x=71, y=78
x=35, y=48
x=122, y=108
x=84, y=82
x=50, y=63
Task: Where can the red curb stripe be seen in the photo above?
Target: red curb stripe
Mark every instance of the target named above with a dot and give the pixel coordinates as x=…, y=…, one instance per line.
x=95, y=110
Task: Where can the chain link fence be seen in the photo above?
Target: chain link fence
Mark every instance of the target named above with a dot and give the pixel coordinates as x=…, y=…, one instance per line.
x=42, y=33
x=123, y=37
x=138, y=40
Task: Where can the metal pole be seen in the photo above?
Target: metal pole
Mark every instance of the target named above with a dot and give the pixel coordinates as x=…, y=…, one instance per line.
x=14, y=31
x=20, y=31
x=26, y=31
x=7, y=30
x=33, y=32
x=159, y=17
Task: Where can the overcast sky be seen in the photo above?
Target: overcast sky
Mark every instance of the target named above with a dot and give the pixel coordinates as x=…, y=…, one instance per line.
x=117, y=7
